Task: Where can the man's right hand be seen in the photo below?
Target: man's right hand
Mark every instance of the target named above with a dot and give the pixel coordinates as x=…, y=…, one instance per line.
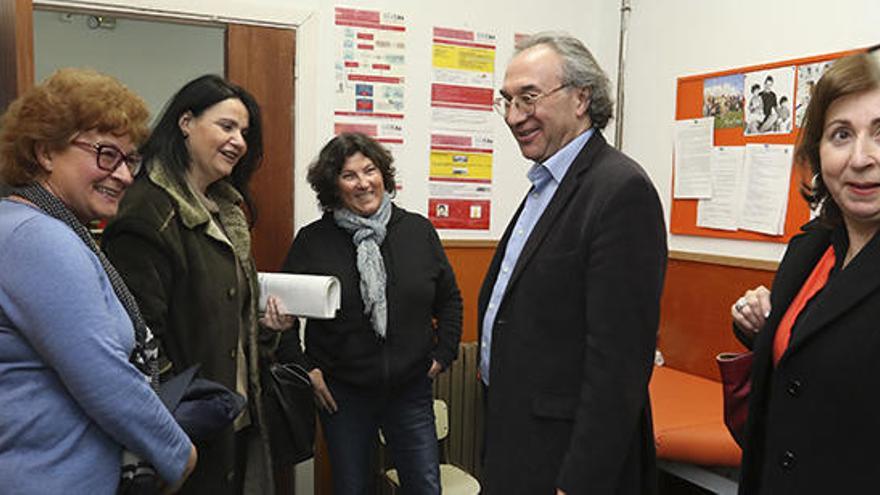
x=322, y=393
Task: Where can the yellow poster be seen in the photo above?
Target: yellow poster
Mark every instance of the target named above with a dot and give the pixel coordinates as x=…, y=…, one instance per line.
x=461, y=165
x=464, y=58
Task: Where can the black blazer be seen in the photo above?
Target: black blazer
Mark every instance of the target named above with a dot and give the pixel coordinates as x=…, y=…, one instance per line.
x=574, y=337
x=814, y=422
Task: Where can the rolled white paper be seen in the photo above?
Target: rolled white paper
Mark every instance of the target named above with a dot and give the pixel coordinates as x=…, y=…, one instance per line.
x=310, y=296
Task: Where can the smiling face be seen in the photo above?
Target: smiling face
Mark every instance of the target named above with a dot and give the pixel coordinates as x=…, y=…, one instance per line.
x=215, y=140
x=73, y=176
x=558, y=118
x=360, y=184
x=849, y=153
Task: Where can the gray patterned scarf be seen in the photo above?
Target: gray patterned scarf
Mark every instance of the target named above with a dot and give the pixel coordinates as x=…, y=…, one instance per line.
x=368, y=233
x=146, y=351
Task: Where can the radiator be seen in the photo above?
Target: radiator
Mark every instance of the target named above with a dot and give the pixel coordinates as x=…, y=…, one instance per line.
x=461, y=390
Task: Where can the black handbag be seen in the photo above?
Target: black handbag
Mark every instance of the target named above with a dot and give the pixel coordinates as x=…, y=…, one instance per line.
x=289, y=409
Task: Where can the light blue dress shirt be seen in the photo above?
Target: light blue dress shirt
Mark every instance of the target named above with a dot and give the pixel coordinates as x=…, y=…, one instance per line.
x=545, y=178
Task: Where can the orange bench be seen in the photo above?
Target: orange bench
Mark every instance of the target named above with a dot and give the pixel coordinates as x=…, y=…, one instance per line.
x=689, y=433
x=688, y=420
x=691, y=439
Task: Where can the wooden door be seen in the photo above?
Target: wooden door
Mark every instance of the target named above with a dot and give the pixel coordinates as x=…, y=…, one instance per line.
x=16, y=49
x=16, y=54
x=261, y=60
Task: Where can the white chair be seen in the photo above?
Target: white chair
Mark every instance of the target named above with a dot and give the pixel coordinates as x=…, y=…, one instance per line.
x=453, y=480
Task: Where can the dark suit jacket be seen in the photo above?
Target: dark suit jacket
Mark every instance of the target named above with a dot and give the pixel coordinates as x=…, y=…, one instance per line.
x=814, y=420
x=574, y=337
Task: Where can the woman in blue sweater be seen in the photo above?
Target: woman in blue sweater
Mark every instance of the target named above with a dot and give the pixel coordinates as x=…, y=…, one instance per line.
x=76, y=359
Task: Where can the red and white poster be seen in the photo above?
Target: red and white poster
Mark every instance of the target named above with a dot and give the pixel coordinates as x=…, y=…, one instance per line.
x=462, y=147
x=460, y=181
x=370, y=81
x=370, y=63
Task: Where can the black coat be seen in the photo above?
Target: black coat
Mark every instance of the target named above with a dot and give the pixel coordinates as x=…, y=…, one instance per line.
x=574, y=337
x=813, y=424
x=420, y=287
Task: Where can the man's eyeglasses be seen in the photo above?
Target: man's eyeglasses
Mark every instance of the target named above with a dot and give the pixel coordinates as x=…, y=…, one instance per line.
x=109, y=157
x=524, y=103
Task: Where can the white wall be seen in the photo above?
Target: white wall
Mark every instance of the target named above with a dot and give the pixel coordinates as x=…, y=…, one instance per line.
x=677, y=38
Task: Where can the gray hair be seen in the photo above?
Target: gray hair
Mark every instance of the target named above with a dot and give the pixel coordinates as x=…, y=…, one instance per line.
x=579, y=69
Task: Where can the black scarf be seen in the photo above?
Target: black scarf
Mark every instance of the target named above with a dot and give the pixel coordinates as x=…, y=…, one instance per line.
x=145, y=354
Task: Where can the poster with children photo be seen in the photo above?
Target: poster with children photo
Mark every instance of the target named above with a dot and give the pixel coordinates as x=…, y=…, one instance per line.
x=769, y=101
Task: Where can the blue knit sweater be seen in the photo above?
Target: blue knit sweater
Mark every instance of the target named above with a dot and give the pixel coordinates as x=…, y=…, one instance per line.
x=69, y=398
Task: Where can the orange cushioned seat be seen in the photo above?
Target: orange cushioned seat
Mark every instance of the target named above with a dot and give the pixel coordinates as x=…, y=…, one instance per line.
x=689, y=420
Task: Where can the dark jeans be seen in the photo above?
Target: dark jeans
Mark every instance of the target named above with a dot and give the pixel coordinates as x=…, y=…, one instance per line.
x=406, y=416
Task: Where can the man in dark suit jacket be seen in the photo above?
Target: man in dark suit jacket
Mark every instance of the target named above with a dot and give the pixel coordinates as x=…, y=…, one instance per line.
x=569, y=308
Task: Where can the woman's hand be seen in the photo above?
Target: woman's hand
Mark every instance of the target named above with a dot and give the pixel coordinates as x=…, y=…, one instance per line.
x=190, y=466
x=435, y=370
x=751, y=310
x=276, y=317
x=322, y=393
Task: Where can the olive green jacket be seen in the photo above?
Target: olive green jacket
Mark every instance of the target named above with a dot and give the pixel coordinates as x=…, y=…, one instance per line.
x=181, y=267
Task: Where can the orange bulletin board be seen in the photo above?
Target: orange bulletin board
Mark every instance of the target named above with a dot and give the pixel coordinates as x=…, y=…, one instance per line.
x=689, y=105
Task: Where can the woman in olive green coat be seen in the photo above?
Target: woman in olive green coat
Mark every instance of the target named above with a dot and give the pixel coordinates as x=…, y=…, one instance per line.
x=182, y=243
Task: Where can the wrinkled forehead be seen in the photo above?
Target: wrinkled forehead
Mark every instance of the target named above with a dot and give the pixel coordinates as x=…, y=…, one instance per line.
x=536, y=69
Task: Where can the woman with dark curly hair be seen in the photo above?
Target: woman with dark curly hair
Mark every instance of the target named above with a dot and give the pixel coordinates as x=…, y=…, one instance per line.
x=182, y=243
x=812, y=423
x=74, y=349
x=373, y=365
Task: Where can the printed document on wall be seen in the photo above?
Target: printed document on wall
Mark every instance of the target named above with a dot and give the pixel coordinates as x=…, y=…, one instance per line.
x=369, y=63
x=370, y=74
x=721, y=211
x=693, y=150
x=766, y=179
x=460, y=180
x=462, y=146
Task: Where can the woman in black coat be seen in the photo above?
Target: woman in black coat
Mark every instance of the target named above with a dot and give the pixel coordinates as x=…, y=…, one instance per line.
x=813, y=425
x=400, y=323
